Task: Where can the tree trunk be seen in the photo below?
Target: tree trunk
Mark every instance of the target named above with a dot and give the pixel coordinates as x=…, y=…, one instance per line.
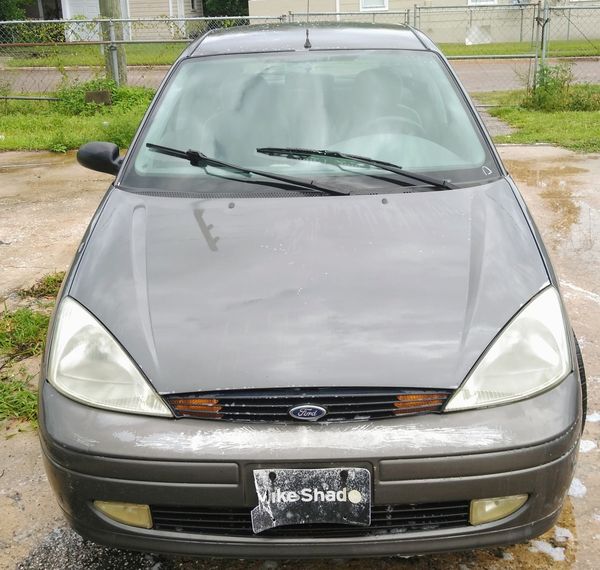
x=114, y=54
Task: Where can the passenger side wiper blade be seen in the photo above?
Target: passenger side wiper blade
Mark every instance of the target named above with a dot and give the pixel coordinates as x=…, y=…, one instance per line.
x=198, y=159
x=305, y=153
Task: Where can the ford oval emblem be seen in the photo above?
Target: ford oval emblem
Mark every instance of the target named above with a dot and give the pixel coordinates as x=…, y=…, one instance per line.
x=308, y=413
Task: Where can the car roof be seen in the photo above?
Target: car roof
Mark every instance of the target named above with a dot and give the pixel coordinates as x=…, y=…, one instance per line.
x=322, y=36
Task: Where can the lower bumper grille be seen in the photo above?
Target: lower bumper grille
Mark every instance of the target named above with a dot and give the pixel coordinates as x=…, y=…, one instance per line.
x=385, y=519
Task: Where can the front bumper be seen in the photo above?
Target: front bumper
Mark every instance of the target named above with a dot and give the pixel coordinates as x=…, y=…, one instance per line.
x=526, y=447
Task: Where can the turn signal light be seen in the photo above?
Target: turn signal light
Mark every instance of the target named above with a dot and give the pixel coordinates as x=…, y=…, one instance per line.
x=202, y=407
x=416, y=402
x=126, y=513
x=488, y=510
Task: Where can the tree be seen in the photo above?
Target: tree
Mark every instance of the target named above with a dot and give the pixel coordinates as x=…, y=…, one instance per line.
x=13, y=9
x=225, y=7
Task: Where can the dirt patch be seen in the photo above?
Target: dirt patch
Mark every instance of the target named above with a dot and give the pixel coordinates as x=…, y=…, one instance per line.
x=29, y=510
x=46, y=202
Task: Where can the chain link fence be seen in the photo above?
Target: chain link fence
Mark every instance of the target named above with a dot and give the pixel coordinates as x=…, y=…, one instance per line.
x=37, y=57
x=493, y=47
x=398, y=17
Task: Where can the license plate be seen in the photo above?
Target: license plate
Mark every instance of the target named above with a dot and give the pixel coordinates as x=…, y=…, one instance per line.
x=311, y=496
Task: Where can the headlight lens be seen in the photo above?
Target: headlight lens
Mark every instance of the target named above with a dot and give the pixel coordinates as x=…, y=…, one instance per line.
x=87, y=364
x=529, y=356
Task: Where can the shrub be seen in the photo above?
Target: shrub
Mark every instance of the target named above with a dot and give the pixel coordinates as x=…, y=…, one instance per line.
x=72, y=97
x=552, y=84
x=554, y=91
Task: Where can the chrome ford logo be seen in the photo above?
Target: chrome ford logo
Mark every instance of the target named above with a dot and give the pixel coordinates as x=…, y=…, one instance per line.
x=308, y=413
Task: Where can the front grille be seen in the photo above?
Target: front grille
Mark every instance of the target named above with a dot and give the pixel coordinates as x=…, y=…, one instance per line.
x=341, y=404
x=385, y=519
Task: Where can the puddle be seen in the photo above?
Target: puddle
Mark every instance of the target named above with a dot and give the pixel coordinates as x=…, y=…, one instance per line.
x=560, y=188
x=557, y=183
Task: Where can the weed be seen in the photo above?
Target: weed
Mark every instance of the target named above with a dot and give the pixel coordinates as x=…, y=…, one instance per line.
x=17, y=400
x=47, y=286
x=551, y=90
x=555, y=91
x=57, y=146
x=71, y=122
x=72, y=96
x=22, y=333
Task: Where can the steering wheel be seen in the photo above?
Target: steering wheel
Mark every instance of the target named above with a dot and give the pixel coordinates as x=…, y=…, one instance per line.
x=392, y=124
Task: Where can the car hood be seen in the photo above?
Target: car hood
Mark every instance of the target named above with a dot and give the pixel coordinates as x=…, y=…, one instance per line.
x=395, y=290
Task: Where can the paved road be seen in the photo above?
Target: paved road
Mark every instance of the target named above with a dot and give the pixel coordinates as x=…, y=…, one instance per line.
x=476, y=74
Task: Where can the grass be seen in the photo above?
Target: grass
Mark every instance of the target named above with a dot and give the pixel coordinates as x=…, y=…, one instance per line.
x=558, y=112
x=47, y=286
x=558, y=48
x=22, y=333
x=575, y=130
x=69, y=123
x=17, y=400
x=67, y=55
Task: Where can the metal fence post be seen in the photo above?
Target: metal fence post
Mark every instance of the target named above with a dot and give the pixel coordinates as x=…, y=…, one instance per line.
x=537, y=23
x=521, y=29
x=545, y=32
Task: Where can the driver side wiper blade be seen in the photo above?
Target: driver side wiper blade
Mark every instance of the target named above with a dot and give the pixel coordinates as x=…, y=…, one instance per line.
x=198, y=159
x=305, y=153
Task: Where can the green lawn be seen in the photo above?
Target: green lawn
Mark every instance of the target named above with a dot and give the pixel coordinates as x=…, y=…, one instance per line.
x=69, y=123
x=575, y=130
x=562, y=48
x=66, y=54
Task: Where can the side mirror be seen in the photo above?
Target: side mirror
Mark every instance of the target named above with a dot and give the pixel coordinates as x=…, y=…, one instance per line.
x=100, y=156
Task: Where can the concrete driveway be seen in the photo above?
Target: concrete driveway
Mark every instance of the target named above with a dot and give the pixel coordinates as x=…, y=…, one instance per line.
x=45, y=203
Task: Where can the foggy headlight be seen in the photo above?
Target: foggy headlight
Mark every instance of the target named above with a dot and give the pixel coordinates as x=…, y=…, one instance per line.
x=529, y=356
x=88, y=365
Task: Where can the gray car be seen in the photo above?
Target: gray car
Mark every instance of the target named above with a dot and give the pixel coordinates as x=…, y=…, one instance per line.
x=311, y=317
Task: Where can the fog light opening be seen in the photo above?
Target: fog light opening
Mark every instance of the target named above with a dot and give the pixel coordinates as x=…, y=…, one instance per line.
x=131, y=514
x=488, y=510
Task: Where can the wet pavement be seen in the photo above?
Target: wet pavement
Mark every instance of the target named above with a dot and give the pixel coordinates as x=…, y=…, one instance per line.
x=45, y=203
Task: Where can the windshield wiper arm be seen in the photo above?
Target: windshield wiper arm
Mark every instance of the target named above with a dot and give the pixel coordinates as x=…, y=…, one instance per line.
x=198, y=159
x=307, y=154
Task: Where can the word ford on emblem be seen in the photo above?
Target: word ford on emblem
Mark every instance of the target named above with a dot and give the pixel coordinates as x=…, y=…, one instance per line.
x=308, y=413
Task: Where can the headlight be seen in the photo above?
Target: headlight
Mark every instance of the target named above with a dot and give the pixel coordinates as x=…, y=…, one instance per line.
x=87, y=364
x=529, y=356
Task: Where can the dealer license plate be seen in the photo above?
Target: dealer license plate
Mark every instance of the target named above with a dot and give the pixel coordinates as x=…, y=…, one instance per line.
x=311, y=496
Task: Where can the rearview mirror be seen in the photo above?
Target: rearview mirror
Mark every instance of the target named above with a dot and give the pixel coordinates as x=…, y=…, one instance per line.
x=100, y=156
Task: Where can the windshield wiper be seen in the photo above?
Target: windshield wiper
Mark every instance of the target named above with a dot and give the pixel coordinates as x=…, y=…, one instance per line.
x=307, y=154
x=198, y=159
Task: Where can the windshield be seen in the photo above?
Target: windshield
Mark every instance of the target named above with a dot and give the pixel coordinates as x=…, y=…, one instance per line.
x=401, y=107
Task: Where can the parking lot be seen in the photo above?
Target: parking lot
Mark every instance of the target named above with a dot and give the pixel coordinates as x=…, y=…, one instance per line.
x=46, y=201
